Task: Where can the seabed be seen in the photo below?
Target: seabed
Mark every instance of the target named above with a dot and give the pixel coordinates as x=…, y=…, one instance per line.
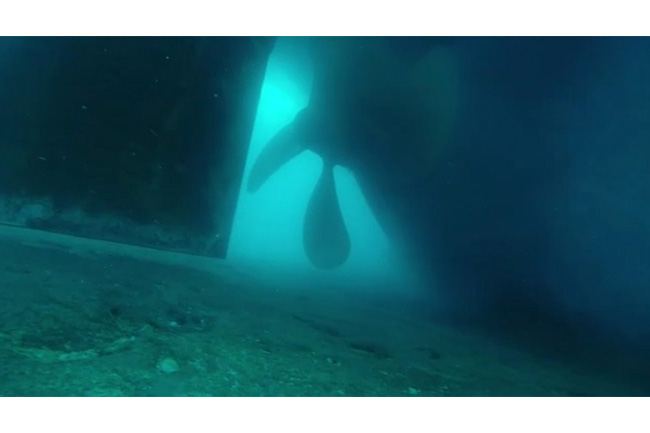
x=81, y=317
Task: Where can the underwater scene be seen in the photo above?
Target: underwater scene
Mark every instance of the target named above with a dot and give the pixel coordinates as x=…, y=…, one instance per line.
x=325, y=216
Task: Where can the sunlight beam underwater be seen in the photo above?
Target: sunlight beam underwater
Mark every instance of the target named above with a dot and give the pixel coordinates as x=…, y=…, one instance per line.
x=369, y=119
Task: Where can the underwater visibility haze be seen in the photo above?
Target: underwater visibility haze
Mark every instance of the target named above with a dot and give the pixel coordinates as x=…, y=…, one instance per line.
x=406, y=216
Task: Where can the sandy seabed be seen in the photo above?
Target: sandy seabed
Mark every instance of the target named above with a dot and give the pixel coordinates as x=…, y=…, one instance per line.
x=81, y=317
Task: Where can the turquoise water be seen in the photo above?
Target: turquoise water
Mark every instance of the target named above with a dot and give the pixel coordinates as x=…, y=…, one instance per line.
x=332, y=217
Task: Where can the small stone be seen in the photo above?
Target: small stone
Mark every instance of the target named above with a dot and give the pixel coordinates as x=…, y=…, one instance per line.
x=168, y=366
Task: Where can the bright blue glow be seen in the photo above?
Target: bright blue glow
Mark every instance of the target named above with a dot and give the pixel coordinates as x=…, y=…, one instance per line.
x=268, y=224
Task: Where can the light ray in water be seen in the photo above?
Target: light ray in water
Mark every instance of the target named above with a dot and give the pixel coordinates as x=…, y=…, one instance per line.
x=268, y=224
